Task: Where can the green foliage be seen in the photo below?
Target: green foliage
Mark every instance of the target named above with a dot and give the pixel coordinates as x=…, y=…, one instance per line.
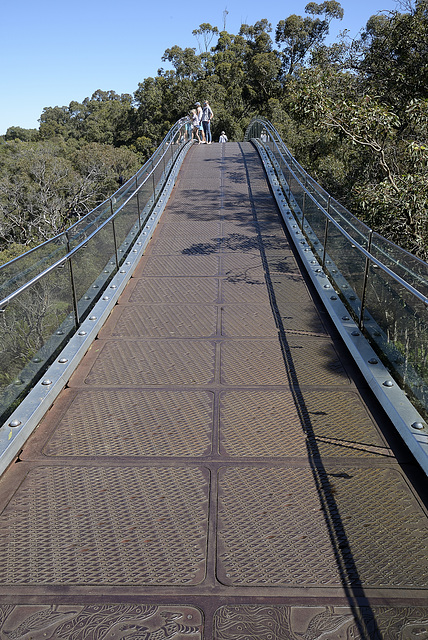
x=13, y=250
x=102, y=118
x=46, y=185
x=395, y=55
x=18, y=133
x=299, y=36
x=355, y=114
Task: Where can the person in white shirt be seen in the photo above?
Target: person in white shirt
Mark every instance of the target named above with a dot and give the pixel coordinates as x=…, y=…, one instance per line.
x=195, y=125
x=201, y=129
x=223, y=137
x=207, y=116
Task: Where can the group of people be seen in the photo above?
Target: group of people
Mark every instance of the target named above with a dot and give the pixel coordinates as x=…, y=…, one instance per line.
x=201, y=124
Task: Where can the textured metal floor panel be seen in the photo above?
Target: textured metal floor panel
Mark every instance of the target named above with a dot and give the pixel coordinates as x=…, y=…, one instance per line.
x=99, y=622
x=272, y=530
x=243, y=265
x=92, y=525
x=242, y=290
x=379, y=507
x=299, y=318
x=133, y=362
x=206, y=265
x=245, y=230
x=281, y=263
x=161, y=321
x=131, y=422
x=285, y=540
x=307, y=354
x=198, y=229
x=254, y=362
x=181, y=245
x=260, y=424
x=289, y=288
x=170, y=291
x=339, y=423
x=281, y=622
x=216, y=469
x=244, y=243
x=239, y=320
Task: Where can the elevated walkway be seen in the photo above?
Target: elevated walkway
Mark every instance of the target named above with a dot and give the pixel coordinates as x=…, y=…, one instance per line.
x=216, y=467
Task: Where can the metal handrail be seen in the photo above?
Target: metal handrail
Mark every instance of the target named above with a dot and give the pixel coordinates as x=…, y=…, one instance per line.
x=75, y=249
x=269, y=126
x=356, y=244
x=107, y=202
x=388, y=307
x=39, y=316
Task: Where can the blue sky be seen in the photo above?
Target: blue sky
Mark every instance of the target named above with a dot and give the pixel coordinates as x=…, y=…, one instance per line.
x=52, y=52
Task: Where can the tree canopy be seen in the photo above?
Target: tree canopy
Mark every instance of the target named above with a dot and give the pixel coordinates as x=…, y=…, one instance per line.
x=354, y=112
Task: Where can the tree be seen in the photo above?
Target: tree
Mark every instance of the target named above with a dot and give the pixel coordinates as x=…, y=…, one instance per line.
x=299, y=36
x=391, y=191
x=394, y=60
x=205, y=34
x=186, y=62
x=262, y=64
x=55, y=121
x=18, y=133
x=45, y=187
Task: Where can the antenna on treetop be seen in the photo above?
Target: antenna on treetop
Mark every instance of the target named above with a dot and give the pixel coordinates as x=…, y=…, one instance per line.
x=225, y=14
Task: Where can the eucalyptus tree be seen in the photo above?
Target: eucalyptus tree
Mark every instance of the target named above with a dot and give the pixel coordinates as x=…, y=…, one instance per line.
x=300, y=36
x=395, y=54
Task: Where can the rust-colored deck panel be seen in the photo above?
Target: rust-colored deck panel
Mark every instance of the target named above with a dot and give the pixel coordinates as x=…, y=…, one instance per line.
x=216, y=467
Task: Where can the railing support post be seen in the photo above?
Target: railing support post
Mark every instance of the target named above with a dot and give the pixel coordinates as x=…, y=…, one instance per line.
x=73, y=288
x=327, y=222
x=153, y=181
x=138, y=203
x=366, y=277
x=114, y=237
x=303, y=210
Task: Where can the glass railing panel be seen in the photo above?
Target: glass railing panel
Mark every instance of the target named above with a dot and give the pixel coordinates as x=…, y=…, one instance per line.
x=346, y=267
x=404, y=264
x=358, y=231
x=93, y=266
x=158, y=176
x=85, y=227
x=297, y=190
x=321, y=198
x=314, y=224
x=145, y=199
x=317, y=191
x=144, y=173
x=285, y=169
x=170, y=154
x=125, y=191
x=119, y=197
x=34, y=327
x=397, y=323
x=18, y=272
x=126, y=226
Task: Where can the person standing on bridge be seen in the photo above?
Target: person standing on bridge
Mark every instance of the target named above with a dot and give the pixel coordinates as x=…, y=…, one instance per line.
x=195, y=125
x=201, y=129
x=207, y=116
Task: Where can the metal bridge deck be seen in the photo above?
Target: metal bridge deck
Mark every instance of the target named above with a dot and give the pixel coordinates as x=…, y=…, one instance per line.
x=216, y=467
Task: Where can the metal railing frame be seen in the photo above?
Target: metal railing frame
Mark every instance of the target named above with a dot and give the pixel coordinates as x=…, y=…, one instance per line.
x=162, y=161
x=282, y=155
